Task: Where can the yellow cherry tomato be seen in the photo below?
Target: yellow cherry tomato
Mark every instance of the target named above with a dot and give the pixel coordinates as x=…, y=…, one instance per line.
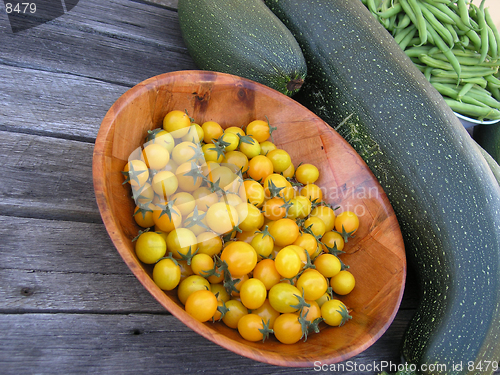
x=164, y=184
x=184, y=202
x=328, y=264
x=187, y=179
x=258, y=129
x=287, y=328
x=236, y=310
x=177, y=123
x=235, y=130
x=230, y=140
x=240, y=257
x=201, y=305
x=150, y=247
x=166, y=274
x=313, y=192
x=221, y=217
x=347, y=221
x=259, y=167
x=280, y=158
x=254, y=192
x=343, y=282
x=212, y=130
x=202, y=264
x=249, y=146
x=266, y=147
x=155, y=156
x=253, y=293
x=195, y=134
x=307, y=174
x=136, y=173
x=181, y=241
x=316, y=225
x=326, y=214
x=191, y=284
x=284, y=231
x=209, y=243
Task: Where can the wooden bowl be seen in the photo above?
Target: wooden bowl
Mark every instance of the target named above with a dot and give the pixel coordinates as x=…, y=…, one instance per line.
x=375, y=255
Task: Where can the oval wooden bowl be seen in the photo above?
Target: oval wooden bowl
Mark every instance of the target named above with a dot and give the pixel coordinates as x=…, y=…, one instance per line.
x=375, y=255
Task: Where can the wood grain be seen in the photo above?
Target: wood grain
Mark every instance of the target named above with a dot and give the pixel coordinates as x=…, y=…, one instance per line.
x=46, y=177
x=95, y=38
x=68, y=303
x=117, y=344
x=207, y=96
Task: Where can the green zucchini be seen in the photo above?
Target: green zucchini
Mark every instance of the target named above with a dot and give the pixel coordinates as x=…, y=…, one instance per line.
x=488, y=136
x=244, y=38
x=446, y=198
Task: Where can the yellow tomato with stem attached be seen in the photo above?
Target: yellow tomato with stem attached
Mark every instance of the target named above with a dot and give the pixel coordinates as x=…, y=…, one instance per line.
x=177, y=123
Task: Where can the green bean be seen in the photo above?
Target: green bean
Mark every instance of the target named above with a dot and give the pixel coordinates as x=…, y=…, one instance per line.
x=480, y=72
x=371, y=6
x=434, y=63
x=407, y=39
x=493, y=81
x=464, y=40
x=439, y=14
x=485, y=99
x=464, y=90
x=419, y=66
x=478, y=81
x=493, y=48
x=454, y=16
x=463, y=12
x=392, y=11
x=480, y=90
x=417, y=51
x=446, y=65
x=400, y=35
x=417, y=20
x=471, y=110
x=428, y=73
x=452, y=92
x=438, y=26
x=493, y=28
x=446, y=51
x=453, y=33
x=439, y=1
x=483, y=30
x=466, y=53
x=471, y=61
x=421, y=23
x=474, y=38
x=404, y=22
x=495, y=92
x=415, y=42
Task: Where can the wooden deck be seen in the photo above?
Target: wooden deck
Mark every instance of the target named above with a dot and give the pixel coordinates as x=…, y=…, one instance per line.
x=68, y=303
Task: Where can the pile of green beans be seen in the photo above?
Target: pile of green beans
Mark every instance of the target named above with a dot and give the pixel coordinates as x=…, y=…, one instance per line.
x=456, y=46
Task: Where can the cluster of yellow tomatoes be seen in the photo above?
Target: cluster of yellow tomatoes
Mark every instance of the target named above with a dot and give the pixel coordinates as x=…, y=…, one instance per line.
x=242, y=234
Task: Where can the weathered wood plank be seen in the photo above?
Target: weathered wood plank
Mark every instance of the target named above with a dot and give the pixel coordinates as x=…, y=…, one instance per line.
x=115, y=41
x=53, y=291
x=61, y=246
x=34, y=290
x=55, y=104
x=80, y=257
x=123, y=344
x=46, y=178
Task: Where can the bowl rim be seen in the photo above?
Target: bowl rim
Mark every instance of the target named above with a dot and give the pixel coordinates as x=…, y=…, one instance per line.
x=474, y=121
x=113, y=229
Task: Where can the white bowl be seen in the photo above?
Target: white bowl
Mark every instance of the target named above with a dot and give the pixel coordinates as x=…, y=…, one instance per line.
x=468, y=122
